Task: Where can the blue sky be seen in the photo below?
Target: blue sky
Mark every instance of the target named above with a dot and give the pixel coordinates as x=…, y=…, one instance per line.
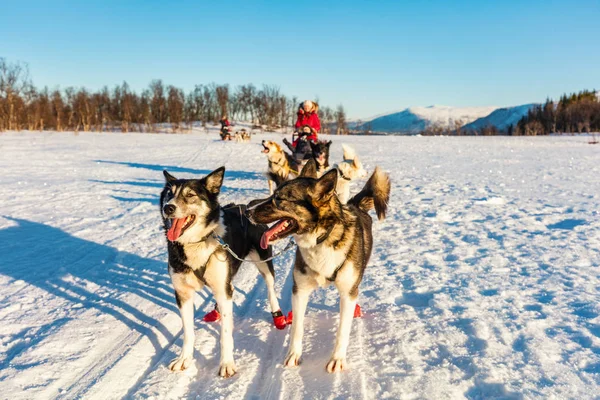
x=370, y=56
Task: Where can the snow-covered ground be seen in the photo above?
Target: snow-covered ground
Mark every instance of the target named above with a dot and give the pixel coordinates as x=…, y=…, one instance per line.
x=484, y=280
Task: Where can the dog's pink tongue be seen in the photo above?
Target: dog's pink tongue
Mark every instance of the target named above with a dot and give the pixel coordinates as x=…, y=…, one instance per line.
x=264, y=241
x=175, y=231
x=268, y=235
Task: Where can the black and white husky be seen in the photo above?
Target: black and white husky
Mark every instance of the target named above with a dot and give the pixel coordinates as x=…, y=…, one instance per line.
x=193, y=221
x=334, y=244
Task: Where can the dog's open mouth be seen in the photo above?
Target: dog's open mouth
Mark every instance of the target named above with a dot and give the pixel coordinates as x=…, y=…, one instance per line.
x=178, y=226
x=279, y=230
x=265, y=149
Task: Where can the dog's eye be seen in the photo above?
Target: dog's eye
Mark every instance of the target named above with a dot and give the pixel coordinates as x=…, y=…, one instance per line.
x=189, y=194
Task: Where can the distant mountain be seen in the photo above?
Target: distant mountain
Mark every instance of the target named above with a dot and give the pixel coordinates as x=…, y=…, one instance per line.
x=500, y=118
x=417, y=119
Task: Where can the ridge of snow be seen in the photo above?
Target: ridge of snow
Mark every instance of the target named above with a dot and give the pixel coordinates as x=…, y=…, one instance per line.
x=416, y=119
x=502, y=117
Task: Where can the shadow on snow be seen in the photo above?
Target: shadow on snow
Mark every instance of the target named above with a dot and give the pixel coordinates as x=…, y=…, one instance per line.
x=229, y=174
x=83, y=272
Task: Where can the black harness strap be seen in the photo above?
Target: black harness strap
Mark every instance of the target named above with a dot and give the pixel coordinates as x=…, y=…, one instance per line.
x=323, y=237
x=201, y=240
x=342, y=175
x=335, y=271
x=202, y=270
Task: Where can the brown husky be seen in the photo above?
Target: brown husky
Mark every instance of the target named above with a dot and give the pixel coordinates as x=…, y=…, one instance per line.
x=282, y=165
x=334, y=244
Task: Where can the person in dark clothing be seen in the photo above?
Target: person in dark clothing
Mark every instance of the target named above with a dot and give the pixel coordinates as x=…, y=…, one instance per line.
x=225, y=129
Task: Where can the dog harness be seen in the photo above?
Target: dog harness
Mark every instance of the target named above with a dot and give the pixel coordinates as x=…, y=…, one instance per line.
x=342, y=175
x=335, y=271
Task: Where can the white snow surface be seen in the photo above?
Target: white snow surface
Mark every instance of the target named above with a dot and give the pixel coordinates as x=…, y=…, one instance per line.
x=417, y=119
x=483, y=282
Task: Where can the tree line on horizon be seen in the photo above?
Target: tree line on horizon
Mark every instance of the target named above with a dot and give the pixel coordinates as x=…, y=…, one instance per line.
x=24, y=107
x=575, y=113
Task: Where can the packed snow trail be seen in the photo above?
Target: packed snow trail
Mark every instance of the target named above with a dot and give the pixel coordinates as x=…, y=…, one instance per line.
x=483, y=281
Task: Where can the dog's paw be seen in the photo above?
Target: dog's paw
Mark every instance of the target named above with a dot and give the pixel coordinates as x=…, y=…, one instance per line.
x=336, y=365
x=292, y=359
x=181, y=363
x=227, y=369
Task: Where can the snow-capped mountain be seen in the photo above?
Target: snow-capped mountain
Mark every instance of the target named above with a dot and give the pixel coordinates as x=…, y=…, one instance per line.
x=417, y=119
x=501, y=118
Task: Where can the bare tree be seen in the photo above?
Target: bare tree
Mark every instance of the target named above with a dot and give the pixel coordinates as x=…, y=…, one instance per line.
x=222, y=94
x=458, y=124
x=58, y=109
x=127, y=107
x=340, y=119
x=14, y=82
x=176, y=101
x=158, y=103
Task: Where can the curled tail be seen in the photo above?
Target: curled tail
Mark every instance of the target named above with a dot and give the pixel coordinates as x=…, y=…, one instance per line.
x=375, y=194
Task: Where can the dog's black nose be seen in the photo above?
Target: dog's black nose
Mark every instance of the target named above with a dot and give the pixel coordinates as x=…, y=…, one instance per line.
x=169, y=209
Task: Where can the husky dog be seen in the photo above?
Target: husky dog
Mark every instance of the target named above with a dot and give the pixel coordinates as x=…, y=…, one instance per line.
x=193, y=220
x=320, y=152
x=242, y=136
x=348, y=170
x=282, y=166
x=334, y=245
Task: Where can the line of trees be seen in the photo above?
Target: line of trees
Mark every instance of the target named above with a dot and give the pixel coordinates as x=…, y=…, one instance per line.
x=23, y=106
x=576, y=113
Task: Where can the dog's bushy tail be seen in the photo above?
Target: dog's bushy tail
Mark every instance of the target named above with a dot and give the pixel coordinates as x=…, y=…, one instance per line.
x=375, y=194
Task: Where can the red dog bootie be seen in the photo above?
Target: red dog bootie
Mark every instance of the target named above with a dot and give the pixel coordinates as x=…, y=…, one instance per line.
x=357, y=311
x=279, y=320
x=289, y=318
x=212, y=316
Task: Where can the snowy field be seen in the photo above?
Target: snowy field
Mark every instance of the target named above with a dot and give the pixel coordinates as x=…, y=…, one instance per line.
x=484, y=281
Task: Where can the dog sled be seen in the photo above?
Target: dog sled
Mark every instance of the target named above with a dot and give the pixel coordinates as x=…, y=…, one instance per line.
x=225, y=133
x=301, y=145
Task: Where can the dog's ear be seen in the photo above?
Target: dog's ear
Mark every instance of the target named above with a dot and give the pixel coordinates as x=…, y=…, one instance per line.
x=349, y=153
x=168, y=177
x=324, y=188
x=310, y=169
x=214, y=180
x=356, y=163
x=329, y=143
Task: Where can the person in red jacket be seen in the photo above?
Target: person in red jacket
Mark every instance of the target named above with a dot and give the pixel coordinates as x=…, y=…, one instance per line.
x=308, y=117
